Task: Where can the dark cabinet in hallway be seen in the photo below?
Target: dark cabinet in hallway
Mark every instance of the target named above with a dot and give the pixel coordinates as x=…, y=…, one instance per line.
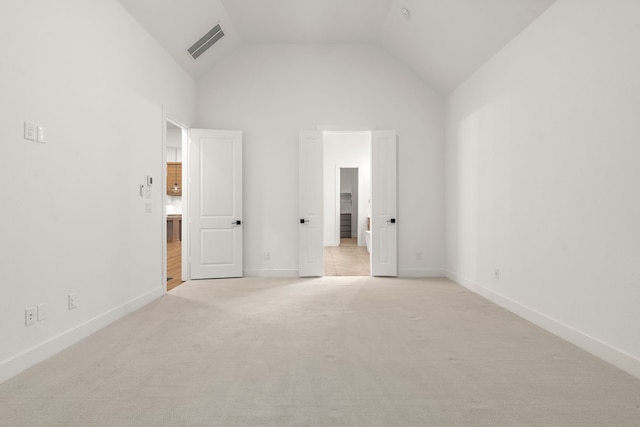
x=345, y=225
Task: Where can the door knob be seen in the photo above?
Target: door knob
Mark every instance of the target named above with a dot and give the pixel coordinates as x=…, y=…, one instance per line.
x=302, y=220
x=391, y=221
x=238, y=222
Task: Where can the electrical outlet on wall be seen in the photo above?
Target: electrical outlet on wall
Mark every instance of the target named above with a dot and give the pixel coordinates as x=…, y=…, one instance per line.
x=29, y=316
x=30, y=131
x=497, y=274
x=73, y=301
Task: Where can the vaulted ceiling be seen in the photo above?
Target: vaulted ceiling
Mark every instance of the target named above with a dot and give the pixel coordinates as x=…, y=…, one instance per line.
x=443, y=41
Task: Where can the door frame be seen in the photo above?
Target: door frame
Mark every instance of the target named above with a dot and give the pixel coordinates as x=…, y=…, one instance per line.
x=337, y=210
x=167, y=117
x=347, y=128
x=372, y=130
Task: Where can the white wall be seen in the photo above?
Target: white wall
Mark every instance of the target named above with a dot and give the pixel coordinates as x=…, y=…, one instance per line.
x=73, y=218
x=273, y=91
x=351, y=150
x=543, y=179
x=174, y=140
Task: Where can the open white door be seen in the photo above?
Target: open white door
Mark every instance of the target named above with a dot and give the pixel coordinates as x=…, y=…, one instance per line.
x=216, y=203
x=311, y=263
x=384, y=235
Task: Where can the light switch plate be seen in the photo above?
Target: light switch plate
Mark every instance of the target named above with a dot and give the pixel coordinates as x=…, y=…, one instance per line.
x=42, y=312
x=42, y=134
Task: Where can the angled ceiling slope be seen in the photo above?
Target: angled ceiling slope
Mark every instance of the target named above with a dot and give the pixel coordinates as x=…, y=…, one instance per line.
x=443, y=41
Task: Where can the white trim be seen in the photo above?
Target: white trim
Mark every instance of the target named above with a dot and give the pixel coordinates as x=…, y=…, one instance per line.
x=256, y=272
x=186, y=206
x=185, y=265
x=336, y=196
x=604, y=351
x=163, y=201
x=338, y=191
x=36, y=354
x=345, y=129
x=421, y=272
x=407, y=272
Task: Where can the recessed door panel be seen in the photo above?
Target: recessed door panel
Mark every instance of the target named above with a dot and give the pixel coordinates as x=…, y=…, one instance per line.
x=216, y=192
x=215, y=246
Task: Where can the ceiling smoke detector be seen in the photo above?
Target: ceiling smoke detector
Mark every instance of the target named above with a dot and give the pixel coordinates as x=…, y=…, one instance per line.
x=405, y=12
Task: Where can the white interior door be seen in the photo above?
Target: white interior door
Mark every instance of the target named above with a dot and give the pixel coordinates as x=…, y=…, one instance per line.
x=311, y=261
x=216, y=203
x=384, y=235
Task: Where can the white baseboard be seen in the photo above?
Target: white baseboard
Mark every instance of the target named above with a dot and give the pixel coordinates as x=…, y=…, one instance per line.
x=36, y=354
x=421, y=272
x=405, y=272
x=604, y=351
x=255, y=272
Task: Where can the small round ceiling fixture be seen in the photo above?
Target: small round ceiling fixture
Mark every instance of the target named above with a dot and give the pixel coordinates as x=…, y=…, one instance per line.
x=405, y=12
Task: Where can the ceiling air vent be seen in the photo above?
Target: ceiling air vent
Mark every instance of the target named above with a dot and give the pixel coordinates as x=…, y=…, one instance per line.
x=206, y=42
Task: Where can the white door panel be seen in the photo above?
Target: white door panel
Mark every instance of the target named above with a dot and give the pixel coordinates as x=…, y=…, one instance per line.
x=311, y=250
x=216, y=203
x=384, y=204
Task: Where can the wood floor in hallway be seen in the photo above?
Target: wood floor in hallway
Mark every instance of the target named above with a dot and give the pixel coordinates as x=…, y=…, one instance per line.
x=348, y=259
x=174, y=264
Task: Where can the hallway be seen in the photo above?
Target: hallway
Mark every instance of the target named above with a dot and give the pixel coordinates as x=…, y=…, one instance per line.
x=348, y=259
x=174, y=264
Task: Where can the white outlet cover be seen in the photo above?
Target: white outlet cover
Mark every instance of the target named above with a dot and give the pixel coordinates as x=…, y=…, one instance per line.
x=30, y=131
x=29, y=316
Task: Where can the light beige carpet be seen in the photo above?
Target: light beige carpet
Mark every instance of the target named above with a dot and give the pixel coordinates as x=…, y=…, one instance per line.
x=321, y=352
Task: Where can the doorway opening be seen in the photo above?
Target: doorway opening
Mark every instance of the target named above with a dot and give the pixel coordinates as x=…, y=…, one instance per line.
x=347, y=195
x=379, y=168
x=174, y=196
